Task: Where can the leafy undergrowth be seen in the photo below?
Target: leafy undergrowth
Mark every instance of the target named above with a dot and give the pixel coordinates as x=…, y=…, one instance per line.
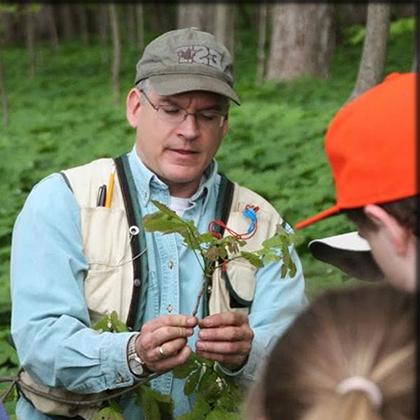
x=66, y=116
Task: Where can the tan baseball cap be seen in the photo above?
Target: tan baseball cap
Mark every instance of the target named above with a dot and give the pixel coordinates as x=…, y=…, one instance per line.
x=187, y=59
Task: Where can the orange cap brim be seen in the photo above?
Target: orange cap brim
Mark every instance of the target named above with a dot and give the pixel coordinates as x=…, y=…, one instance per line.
x=322, y=215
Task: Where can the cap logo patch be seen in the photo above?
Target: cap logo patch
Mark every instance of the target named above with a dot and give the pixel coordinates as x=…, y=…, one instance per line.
x=199, y=54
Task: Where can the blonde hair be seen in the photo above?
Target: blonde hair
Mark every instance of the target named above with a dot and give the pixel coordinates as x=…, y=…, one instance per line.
x=369, y=332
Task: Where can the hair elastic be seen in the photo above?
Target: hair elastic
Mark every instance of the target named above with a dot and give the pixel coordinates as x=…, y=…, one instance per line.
x=359, y=383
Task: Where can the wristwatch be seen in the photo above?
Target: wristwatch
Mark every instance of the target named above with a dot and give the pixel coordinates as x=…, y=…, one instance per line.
x=136, y=365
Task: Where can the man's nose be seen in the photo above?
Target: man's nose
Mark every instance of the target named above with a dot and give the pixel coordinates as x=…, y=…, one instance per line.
x=189, y=128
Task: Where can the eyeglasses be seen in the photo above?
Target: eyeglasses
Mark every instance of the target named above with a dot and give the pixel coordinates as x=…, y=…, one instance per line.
x=174, y=115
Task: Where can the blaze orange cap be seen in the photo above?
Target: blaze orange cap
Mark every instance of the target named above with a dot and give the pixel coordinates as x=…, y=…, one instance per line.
x=371, y=147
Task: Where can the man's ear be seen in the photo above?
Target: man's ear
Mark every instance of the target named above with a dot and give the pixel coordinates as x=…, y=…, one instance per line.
x=398, y=234
x=132, y=107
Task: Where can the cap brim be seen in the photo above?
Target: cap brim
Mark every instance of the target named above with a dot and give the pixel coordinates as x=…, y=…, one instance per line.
x=172, y=84
x=348, y=252
x=321, y=215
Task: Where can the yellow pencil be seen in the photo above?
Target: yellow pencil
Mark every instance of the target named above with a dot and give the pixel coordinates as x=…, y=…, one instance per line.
x=110, y=189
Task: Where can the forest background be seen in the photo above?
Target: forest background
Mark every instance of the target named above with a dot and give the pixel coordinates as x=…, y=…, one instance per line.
x=65, y=70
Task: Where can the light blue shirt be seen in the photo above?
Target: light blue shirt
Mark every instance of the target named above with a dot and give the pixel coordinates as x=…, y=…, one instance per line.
x=50, y=321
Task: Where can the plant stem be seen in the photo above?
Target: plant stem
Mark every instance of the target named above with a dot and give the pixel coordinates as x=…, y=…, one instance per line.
x=206, y=279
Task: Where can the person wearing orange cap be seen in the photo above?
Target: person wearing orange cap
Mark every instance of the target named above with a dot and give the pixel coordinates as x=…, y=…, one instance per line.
x=371, y=148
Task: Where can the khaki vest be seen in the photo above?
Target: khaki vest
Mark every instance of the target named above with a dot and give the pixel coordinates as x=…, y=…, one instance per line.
x=109, y=281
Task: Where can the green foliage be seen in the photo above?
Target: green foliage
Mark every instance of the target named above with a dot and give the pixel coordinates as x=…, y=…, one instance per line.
x=155, y=406
x=111, y=323
x=8, y=355
x=216, y=252
x=216, y=394
x=112, y=412
x=355, y=35
x=65, y=116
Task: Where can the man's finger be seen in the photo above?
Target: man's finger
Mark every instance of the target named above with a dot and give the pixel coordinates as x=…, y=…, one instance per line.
x=169, y=320
x=224, y=318
x=171, y=362
x=167, y=349
x=226, y=334
x=224, y=347
x=234, y=360
x=164, y=334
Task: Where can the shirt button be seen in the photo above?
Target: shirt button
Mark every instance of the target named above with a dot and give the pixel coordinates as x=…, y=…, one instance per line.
x=169, y=308
x=137, y=282
x=170, y=264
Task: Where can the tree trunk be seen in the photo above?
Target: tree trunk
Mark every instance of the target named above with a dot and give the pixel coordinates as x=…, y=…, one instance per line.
x=130, y=20
x=262, y=40
x=224, y=16
x=302, y=40
x=3, y=95
x=349, y=14
x=140, y=26
x=66, y=18
x=371, y=66
x=414, y=66
x=101, y=23
x=30, y=41
x=198, y=15
x=7, y=28
x=116, y=47
x=52, y=27
x=83, y=23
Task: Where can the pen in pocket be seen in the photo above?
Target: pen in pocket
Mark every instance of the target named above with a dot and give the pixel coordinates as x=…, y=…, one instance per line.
x=110, y=189
x=100, y=201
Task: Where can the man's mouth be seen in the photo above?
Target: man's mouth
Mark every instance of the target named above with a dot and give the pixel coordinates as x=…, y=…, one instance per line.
x=184, y=151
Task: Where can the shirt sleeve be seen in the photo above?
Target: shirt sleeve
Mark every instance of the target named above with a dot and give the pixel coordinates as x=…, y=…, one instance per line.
x=276, y=303
x=50, y=320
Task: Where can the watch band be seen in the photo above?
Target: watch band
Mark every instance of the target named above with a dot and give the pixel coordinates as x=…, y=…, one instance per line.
x=135, y=363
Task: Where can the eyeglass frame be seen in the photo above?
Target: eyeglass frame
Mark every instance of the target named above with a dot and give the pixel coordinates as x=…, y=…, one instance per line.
x=194, y=114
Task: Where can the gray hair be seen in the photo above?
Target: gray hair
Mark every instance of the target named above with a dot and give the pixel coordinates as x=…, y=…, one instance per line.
x=144, y=85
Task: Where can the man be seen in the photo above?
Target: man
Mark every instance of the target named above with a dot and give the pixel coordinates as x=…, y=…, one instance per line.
x=371, y=147
x=71, y=260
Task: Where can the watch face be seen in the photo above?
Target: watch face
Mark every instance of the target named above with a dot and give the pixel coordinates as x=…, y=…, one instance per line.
x=135, y=367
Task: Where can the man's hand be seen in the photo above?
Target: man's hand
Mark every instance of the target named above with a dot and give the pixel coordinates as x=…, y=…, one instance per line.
x=162, y=343
x=226, y=338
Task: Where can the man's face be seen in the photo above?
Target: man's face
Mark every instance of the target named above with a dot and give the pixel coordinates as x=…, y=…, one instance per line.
x=177, y=153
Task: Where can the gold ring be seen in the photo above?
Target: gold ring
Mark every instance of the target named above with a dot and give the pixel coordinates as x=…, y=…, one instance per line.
x=162, y=353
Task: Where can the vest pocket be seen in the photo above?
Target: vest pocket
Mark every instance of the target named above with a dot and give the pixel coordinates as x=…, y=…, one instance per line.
x=234, y=290
x=109, y=281
x=104, y=293
x=240, y=283
x=105, y=234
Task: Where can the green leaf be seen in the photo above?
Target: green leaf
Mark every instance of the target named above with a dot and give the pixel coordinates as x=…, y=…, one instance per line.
x=163, y=398
x=219, y=414
x=117, y=325
x=148, y=403
x=109, y=413
x=7, y=353
x=255, y=260
x=182, y=371
x=192, y=381
x=102, y=324
x=167, y=221
x=199, y=410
